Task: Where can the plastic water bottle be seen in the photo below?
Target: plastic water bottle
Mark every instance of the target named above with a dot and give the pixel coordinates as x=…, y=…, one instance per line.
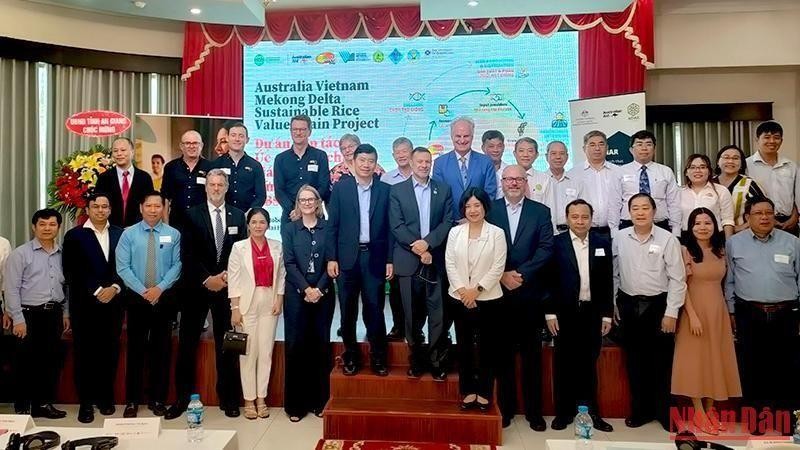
x=194, y=419
x=584, y=428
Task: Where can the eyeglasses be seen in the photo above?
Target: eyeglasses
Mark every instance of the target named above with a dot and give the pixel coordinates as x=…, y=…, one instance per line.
x=191, y=144
x=306, y=200
x=514, y=179
x=703, y=167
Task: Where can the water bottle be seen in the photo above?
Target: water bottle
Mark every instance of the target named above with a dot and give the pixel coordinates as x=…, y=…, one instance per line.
x=194, y=419
x=584, y=428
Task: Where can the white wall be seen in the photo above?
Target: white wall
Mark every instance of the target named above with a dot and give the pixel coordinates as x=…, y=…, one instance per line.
x=83, y=29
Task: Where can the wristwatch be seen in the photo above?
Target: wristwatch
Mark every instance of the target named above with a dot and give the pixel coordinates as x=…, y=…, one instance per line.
x=480, y=288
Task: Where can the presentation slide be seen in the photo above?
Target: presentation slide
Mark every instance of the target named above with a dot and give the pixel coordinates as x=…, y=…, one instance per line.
x=412, y=88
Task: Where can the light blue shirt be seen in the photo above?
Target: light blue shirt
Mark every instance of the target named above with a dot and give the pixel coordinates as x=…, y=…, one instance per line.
x=32, y=277
x=393, y=177
x=364, y=195
x=132, y=256
x=423, y=194
x=762, y=271
x=514, y=212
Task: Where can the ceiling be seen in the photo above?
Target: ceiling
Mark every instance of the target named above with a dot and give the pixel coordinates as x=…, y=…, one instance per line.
x=251, y=12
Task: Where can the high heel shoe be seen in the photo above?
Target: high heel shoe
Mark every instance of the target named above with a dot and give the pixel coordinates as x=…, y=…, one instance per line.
x=704, y=424
x=471, y=404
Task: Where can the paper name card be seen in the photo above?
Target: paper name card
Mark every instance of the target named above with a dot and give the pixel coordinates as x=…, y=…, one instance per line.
x=135, y=428
x=16, y=423
x=777, y=443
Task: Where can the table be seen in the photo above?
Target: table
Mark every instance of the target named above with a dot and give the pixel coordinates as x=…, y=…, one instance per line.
x=171, y=439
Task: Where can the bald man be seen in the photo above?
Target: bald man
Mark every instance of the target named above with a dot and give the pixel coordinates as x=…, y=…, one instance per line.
x=184, y=184
x=125, y=185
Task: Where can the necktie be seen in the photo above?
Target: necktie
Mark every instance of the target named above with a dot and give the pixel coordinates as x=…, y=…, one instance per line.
x=150, y=266
x=644, y=181
x=463, y=160
x=126, y=188
x=219, y=234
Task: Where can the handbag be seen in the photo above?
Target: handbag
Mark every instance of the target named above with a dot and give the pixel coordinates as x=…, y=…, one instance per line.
x=234, y=342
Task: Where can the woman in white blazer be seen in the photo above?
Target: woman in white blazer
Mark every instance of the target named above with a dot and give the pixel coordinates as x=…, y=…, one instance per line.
x=256, y=277
x=475, y=258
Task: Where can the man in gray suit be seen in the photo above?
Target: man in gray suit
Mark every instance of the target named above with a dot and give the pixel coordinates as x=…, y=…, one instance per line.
x=420, y=216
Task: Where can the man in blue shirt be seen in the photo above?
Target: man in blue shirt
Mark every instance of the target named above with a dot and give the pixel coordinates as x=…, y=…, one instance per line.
x=34, y=290
x=149, y=262
x=245, y=175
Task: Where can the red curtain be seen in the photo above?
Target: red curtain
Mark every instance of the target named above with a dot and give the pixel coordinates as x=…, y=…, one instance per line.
x=606, y=65
x=216, y=88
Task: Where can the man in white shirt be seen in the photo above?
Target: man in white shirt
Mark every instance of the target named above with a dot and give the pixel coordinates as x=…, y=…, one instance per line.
x=565, y=187
x=596, y=176
x=493, y=144
x=776, y=175
x=5, y=250
x=526, y=150
x=643, y=175
x=650, y=279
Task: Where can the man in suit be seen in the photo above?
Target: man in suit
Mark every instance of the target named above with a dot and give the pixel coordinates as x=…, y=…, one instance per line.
x=420, y=214
x=529, y=236
x=579, y=312
x=464, y=167
x=245, y=174
x=358, y=244
x=95, y=306
x=148, y=260
x=124, y=184
x=208, y=235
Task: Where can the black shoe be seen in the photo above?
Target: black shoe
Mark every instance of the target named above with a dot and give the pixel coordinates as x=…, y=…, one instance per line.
x=107, y=410
x=174, y=412
x=48, y=411
x=600, y=424
x=414, y=372
x=379, y=368
x=466, y=406
x=636, y=422
x=131, y=410
x=22, y=408
x=483, y=407
x=158, y=408
x=439, y=374
x=506, y=422
x=86, y=414
x=560, y=423
x=350, y=368
x=537, y=423
x=232, y=412
x=318, y=412
x=395, y=335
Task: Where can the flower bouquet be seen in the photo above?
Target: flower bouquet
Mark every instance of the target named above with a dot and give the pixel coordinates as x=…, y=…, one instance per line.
x=74, y=177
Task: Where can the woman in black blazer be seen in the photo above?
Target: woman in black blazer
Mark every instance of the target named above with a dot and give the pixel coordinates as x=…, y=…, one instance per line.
x=308, y=308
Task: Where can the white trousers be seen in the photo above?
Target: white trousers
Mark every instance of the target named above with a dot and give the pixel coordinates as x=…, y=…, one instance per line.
x=260, y=325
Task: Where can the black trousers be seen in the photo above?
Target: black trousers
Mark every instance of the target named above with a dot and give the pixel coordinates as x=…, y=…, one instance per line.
x=767, y=347
x=396, y=304
x=478, y=336
x=522, y=321
x=308, y=361
x=96, y=331
x=195, y=306
x=576, y=351
x=150, y=344
x=649, y=354
x=423, y=300
x=369, y=282
x=38, y=357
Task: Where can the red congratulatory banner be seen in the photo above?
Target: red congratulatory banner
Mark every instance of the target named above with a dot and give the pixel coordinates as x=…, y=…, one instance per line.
x=98, y=123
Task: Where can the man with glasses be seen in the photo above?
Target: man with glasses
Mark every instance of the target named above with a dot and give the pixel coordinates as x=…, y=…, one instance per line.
x=301, y=164
x=420, y=216
x=762, y=294
x=529, y=236
x=596, y=176
x=245, y=175
x=184, y=180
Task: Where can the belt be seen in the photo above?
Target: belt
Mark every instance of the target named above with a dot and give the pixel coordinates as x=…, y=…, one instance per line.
x=363, y=247
x=49, y=306
x=643, y=298
x=769, y=307
x=562, y=227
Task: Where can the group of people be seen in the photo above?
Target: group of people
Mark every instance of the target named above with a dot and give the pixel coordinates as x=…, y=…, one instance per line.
x=501, y=251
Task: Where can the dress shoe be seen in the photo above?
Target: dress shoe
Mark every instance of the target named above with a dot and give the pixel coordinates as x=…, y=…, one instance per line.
x=131, y=410
x=379, y=368
x=483, y=407
x=636, y=422
x=350, y=368
x=506, y=422
x=439, y=374
x=600, y=424
x=86, y=414
x=560, y=423
x=22, y=408
x=414, y=372
x=174, y=412
x=318, y=412
x=158, y=408
x=466, y=406
x=48, y=411
x=395, y=335
x=107, y=410
x=537, y=423
x=232, y=412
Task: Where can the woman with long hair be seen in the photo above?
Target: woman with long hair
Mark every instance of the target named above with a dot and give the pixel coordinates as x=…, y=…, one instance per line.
x=700, y=191
x=731, y=172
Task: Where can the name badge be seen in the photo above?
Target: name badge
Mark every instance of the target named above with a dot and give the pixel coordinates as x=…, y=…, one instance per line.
x=572, y=192
x=201, y=180
x=16, y=423
x=227, y=170
x=599, y=252
x=233, y=230
x=654, y=248
x=313, y=168
x=165, y=239
x=782, y=259
x=627, y=178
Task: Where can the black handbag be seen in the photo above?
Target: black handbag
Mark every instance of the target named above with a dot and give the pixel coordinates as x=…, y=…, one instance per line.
x=234, y=342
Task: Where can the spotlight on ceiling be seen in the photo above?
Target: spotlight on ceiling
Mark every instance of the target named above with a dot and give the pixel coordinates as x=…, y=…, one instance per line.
x=195, y=11
x=139, y=4
x=472, y=3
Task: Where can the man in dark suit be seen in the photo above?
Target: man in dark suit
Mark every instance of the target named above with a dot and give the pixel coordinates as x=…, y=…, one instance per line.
x=208, y=235
x=421, y=214
x=358, y=245
x=124, y=184
x=579, y=312
x=95, y=306
x=529, y=235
